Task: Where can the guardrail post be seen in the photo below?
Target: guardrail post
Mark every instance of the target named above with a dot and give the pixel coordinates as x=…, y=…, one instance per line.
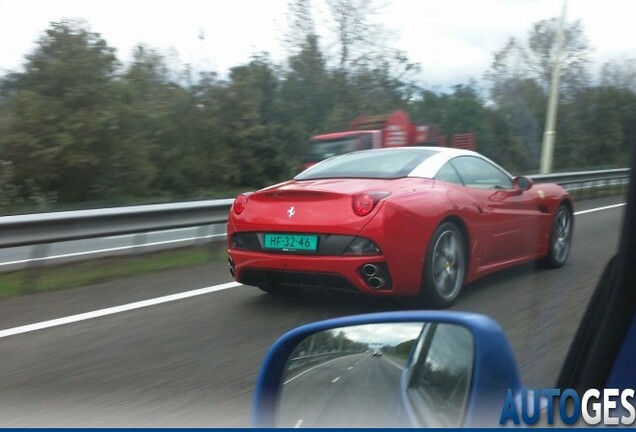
x=204, y=235
x=588, y=188
x=39, y=253
x=217, y=247
x=139, y=240
x=203, y=232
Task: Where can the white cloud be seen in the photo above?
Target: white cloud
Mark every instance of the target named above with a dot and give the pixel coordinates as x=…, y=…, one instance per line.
x=453, y=40
x=383, y=334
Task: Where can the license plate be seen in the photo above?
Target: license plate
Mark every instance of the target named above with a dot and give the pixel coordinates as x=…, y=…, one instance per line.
x=291, y=242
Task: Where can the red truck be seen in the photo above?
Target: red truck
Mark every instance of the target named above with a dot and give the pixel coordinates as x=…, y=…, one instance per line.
x=381, y=131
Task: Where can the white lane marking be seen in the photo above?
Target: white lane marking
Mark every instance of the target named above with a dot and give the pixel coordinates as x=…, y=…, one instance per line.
x=335, y=380
x=391, y=362
x=580, y=212
x=350, y=367
x=111, y=249
x=310, y=369
x=115, y=309
x=298, y=423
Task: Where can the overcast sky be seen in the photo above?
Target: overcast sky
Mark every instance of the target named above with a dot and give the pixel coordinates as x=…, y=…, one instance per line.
x=453, y=40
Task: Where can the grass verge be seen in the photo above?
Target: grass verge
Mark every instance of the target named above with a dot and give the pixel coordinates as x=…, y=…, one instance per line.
x=95, y=271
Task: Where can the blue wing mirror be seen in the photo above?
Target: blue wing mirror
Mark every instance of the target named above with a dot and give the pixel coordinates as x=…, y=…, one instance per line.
x=402, y=369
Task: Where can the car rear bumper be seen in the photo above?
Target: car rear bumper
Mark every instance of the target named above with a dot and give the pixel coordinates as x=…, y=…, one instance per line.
x=343, y=273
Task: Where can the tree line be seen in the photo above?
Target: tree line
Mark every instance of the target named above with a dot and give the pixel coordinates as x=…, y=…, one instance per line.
x=79, y=128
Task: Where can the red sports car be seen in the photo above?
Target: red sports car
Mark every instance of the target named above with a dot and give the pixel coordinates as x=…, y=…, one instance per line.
x=410, y=222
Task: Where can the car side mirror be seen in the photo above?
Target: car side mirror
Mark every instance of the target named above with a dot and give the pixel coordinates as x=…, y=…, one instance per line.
x=396, y=369
x=521, y=184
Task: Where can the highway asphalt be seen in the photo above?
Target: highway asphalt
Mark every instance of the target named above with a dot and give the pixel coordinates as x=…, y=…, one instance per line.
x=353, y=391
x=193, y=362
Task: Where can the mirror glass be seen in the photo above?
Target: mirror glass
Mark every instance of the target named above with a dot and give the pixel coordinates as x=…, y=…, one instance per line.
x=523, y=183
x=379, y=375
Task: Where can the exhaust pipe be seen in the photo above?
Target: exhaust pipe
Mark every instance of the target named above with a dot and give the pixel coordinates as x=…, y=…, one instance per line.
x=370, y=270
x=376, y=282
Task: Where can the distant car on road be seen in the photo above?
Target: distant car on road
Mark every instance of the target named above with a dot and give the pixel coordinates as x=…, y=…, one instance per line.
x=377, y=353
x=409, y=222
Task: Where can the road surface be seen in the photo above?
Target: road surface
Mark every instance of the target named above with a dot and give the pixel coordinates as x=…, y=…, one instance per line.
x=192, y=361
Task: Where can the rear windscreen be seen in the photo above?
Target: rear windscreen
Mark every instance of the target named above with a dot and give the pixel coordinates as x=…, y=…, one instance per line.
x=368, y=164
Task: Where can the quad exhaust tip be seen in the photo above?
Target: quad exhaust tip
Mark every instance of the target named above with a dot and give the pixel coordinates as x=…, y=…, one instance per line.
x=376, y=282
x=373, y=273
x=370, y=270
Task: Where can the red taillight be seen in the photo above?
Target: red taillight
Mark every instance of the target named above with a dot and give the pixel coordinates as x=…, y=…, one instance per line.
x=364, y=203
x=239, y=203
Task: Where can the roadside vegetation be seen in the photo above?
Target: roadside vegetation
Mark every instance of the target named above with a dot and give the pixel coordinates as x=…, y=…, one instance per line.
x=75, y=275
x=81, y=129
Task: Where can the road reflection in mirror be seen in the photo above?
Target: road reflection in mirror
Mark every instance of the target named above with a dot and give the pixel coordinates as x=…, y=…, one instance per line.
x=379, y=375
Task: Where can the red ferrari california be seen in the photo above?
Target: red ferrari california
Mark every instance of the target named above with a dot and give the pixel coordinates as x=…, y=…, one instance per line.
x=409, y=222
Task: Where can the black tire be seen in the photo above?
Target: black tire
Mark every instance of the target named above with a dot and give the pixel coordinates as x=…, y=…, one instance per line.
x=445, y=267
x=560, y=239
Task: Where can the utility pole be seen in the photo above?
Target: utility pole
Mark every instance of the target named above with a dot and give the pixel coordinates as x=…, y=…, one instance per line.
x=547, y=149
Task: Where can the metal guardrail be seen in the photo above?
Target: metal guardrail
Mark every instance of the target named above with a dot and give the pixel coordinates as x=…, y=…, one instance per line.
x=41, y=228
x=585, y=179
x=32, y=229
x=581, y=177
